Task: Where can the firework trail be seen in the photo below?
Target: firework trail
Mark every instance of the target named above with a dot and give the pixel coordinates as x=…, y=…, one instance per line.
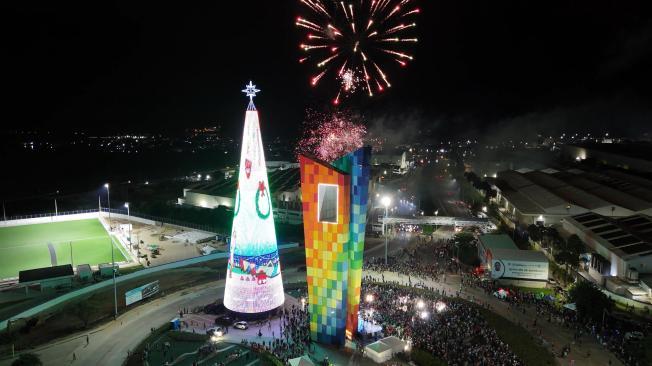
x=352, y=40
x=331, y=135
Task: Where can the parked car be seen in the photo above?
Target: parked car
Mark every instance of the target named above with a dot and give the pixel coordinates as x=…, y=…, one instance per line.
x=241, y=325
x=224, y=321
x=215, y=331
x=634, y=336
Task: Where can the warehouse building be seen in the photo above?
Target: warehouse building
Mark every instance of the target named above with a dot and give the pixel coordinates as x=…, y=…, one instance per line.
x=630, y=156
x=284, y=188
x=621, y=247
x=548, y=196
x=620, y=255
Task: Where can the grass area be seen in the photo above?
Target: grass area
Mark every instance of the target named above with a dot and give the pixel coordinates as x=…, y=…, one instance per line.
x=178, y=346
x=181, y=343
x=544, y=291
x=425, y=358
x=26, y=247
x=87, y=312
x=519, y=340
x=647, y=347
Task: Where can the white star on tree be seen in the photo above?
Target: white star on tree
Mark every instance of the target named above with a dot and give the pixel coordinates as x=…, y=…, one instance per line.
x=250, y=90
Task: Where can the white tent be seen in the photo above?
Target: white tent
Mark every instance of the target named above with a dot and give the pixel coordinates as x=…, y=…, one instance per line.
x=571, y=306
x=301, y=361
x=384, y=349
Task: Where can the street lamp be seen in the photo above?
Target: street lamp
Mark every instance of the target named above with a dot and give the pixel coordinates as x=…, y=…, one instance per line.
x=56, y=209
x=129, y=221
x=115, y=289
x=108, y=199
x=386, y=201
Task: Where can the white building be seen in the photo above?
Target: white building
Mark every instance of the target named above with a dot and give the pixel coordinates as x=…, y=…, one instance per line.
x=621, y=247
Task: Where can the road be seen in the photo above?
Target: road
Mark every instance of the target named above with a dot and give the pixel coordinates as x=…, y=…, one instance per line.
x=110, y=342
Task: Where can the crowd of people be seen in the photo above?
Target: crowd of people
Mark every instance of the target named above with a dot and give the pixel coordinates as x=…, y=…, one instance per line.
x=451, y=330
x=409, y=261
x=610, y=333
x=413, y=263
x=294, y=335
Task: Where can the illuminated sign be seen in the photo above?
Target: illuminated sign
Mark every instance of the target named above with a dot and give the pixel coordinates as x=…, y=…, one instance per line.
x=521, y=270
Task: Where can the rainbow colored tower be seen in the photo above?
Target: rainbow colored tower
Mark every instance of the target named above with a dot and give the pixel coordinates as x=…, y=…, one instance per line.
x=253, y=278
x=334, y=216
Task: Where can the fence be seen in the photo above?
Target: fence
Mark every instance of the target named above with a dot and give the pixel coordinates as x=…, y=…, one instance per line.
x=25, y=219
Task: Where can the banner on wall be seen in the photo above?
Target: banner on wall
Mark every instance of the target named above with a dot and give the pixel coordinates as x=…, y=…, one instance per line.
x=142, y=292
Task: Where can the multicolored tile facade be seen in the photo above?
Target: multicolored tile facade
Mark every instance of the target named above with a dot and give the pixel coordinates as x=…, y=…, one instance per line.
x=334, y=249
x=357, y=165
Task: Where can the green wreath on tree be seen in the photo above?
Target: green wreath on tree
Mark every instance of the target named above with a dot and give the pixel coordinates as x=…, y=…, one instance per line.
x=237, y=203
x=269, y=210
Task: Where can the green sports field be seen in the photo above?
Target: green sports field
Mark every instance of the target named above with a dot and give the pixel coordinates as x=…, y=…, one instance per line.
x=42, y=245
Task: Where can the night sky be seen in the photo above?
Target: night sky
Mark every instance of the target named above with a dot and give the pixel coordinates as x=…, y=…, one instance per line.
x=480, y=67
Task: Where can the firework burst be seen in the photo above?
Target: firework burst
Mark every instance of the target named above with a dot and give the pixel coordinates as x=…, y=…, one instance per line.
x=331, y=135
x=352, y=40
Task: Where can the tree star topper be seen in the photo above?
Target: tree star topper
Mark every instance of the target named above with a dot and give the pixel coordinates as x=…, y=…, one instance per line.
x=250, y=90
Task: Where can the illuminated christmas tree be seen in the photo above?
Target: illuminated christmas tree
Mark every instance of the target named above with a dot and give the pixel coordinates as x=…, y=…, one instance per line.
x=253, y=278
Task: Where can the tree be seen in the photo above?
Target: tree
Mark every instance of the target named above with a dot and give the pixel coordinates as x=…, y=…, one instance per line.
x=591, y=303
x=534, y=231
x=575, y=246
x=464, y=238
x=84, y=312
x=467, y=252
x=27, y=359
x=568, y=252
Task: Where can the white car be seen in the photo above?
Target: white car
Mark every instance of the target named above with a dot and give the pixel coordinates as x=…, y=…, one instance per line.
x=241, y=325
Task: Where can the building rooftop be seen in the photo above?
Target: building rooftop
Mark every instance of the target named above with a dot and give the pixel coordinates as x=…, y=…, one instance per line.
x=497, y=241
x=40, y=274
x=574, y=191
x=625, y=236
x=520, y=255
x=637, y=150
x=279, y=181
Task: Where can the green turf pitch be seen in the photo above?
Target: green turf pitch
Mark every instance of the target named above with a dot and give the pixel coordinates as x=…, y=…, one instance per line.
x=26, y=247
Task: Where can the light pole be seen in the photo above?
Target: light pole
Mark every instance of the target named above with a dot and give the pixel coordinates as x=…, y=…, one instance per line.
x=129, y=221
x=56, y=209
x=386, y=201
x=108, y=198
x=115, y=290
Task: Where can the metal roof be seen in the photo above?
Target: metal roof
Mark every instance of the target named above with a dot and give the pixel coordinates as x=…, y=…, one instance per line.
x=623, y=236
x=520, y=255
x=497, y=241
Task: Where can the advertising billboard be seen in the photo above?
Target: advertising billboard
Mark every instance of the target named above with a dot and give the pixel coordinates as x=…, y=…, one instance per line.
x=519, y=269
x=142, y=292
